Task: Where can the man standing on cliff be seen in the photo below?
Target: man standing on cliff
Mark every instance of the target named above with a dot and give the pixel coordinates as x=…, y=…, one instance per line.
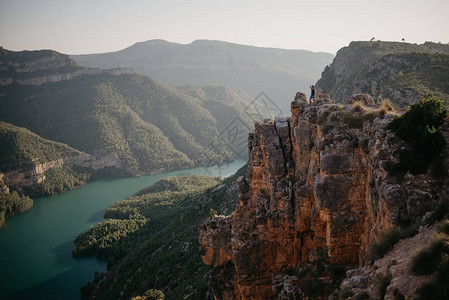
x=312, y=94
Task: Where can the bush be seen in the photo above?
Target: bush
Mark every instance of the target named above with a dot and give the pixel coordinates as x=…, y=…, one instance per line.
x=434, y=260
x=419, y=128
x=322, y=118
x=353, y=120
x=388, y=239
x=384, y=282
x=154, y=295
x=387, y=105
x=439, y=212
x=384, y=244
x=345, y=293
x=361, y=296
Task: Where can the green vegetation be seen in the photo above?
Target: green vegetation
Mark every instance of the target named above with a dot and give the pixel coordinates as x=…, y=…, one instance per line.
x=388, y=239
x=151, y=294
x=13, y=204
x=117, y=235
x=383, y=280
x=353, y=119
x=22, y=148
x=434, y=261
x=361, y=296
x=419, y=128
x=58, y=180
x=279, y=73
x=366, y=67
x=318, y=278
x=45, y=62
x=439, y=212
x=150, y=126
x=160, y=252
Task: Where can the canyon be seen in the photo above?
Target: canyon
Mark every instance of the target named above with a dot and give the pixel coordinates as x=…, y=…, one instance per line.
x=317, y=179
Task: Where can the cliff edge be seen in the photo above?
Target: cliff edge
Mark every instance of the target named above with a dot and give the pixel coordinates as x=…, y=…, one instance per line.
x=316, y=179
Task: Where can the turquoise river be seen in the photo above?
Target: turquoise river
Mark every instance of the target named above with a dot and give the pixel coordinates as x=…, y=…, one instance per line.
x=36, y=246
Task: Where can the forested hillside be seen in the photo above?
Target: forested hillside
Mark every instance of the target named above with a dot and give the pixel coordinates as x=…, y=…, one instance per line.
x=150, y=240
x=402, y=72
x=150, y=126
x=280, y=73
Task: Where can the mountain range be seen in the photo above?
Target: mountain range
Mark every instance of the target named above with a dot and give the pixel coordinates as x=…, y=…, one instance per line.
x=63, y=124
x=149, y=126
x=279, y=73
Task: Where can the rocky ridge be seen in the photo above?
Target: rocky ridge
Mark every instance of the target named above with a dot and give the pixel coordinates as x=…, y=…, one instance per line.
x=31, y=68
x=318, y=178
x=402, y=72
x=35, y=174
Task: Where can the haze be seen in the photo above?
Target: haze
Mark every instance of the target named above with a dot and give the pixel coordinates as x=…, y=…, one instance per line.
x=77, y=27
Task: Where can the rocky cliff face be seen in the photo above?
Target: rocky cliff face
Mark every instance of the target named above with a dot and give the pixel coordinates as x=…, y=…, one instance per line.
x=401, y=72
x=41, y=67
x=35, y=174
x=318, y=178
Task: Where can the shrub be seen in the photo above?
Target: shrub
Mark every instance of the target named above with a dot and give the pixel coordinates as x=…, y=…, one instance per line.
x=326, y=128
x=434, y=260
x=387, y=105
x=384, y=282
x=345, y=293
x=212, y=212
x=357, y=106
x=353, y=120
x=322, y=118
x=384, y=244
x=419, y=128
x=388, y=239
x=361, y=296
x=153, y=294
x=439, y=212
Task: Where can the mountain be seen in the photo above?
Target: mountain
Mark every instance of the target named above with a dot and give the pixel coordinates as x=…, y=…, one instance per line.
x=25, y=163
x=151, y=239
x=402, y=72
x=279, y=73
x=147, y=126
x=322, y=194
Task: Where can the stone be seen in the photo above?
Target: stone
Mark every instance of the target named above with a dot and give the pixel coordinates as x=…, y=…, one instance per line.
x=305, y=190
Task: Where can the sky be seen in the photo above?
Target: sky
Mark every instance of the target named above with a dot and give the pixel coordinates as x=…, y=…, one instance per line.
x=96, y=26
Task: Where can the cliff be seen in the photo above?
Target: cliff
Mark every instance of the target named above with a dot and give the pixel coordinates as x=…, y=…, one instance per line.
x=45, y=66
x=402, y=72
x=318, y=178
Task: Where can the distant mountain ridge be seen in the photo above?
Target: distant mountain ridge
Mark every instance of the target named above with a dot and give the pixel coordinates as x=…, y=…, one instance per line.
x=147, y=127
x=280, y=73
x=402, y=72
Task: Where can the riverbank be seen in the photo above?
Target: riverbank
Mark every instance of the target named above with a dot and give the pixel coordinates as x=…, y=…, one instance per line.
x=36, y=246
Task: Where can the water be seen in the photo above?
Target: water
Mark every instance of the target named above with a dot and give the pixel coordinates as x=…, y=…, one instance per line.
x=36, y=246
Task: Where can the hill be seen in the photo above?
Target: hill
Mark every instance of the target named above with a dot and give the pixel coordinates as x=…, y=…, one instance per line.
x=401, y=72
x=148, y=126
x=25, y=163
x=280, y=73
x=151, y=239
x=22, y=148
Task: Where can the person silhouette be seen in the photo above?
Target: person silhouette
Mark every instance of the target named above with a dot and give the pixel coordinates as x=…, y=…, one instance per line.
x=312, y=94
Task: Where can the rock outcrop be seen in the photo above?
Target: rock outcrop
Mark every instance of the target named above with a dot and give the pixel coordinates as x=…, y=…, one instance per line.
x=316, y=179
x=45, y=66
x=35, y=174
x=401, y=72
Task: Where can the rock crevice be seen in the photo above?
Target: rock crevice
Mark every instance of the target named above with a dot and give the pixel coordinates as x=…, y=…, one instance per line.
x=310, y=184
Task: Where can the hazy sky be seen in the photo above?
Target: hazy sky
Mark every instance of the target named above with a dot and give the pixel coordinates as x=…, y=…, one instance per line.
x=80, y=26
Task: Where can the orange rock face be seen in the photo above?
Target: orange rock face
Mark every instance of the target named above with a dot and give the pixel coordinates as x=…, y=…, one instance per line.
x=313, y=180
